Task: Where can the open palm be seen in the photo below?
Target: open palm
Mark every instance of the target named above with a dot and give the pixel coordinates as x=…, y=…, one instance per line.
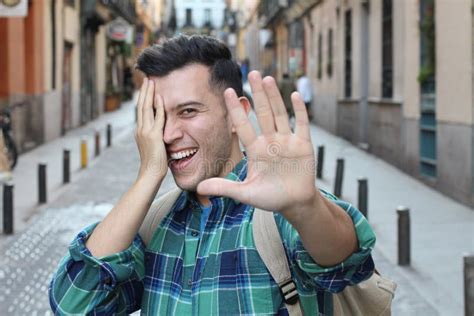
x=281, y=164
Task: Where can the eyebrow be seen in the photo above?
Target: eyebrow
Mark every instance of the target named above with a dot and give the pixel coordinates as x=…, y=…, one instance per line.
x=187, y=103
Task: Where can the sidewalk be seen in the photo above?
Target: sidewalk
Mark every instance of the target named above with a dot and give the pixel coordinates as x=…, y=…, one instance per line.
x=25, y=174
x=442, y=230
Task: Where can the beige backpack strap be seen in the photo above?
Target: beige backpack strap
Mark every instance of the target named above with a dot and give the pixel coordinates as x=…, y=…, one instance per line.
x=270, y=248
x=371, y=297
x=158, y=210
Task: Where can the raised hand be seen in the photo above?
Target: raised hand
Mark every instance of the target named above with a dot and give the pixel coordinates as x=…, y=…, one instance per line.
x=117, y=230
x=149, y=132
x=281, y=164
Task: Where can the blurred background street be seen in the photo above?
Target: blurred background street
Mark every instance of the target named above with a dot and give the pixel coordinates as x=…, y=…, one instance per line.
x=392, y=93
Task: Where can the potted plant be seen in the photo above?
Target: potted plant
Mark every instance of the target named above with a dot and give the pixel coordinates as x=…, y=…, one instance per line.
x=112, y=98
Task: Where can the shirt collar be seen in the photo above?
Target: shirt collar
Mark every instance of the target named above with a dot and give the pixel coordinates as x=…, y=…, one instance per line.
x=238, y=174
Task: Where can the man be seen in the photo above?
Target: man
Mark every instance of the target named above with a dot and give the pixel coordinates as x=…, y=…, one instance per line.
x=303, y=86
x=202, y=257
x=287, y=87
x=5, y=164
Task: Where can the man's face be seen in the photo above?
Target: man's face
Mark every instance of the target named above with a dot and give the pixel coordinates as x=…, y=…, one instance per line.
x=197, y=133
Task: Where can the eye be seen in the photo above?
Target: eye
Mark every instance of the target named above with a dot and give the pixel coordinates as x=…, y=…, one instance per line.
x=188, y=112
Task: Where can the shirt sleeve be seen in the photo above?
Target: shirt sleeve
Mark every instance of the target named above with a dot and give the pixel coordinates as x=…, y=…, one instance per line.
x=110, y=285
x=357, y=268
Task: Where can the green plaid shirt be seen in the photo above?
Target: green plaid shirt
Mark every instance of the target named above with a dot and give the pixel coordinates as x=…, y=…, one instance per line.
x=186, y=271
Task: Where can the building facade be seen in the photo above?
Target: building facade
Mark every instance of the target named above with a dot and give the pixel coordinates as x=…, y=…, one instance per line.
x=53, y=65
x=199, y=16
x=248, y=34
x=395, y=77
x=41, y=68
x=400, y=89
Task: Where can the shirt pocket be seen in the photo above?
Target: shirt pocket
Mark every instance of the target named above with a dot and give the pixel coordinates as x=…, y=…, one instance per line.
x=163, y=272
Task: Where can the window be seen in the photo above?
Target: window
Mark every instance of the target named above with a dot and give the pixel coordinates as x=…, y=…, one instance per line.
x=295, y=34
x=189, y=17
x=427, y=73
x=427, y=80
x=387, y=50
x=207, y=16
x=330, y=53
x=320, y=56
x=69, y=3
x=348, y=54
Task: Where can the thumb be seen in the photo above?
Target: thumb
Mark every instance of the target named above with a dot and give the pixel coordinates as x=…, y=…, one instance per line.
x=221, y=187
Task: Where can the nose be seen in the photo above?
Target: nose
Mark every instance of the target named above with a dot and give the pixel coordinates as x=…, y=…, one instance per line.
x=172, y=131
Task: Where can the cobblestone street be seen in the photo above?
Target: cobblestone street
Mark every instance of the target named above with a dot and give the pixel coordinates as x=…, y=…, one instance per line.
x=31, y=257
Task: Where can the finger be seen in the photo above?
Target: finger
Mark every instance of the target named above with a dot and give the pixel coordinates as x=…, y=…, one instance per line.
x=158, y=104
x=262, y=106
x=223, y=187
x=147, y=111
x=277, y=104
x=239, y=118
x=141, y=99
x=301, y=117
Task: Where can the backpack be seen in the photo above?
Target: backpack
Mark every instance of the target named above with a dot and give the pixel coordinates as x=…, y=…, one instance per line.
x=371, y=297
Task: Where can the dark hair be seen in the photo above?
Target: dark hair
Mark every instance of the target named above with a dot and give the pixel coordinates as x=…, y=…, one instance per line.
x=161, y=59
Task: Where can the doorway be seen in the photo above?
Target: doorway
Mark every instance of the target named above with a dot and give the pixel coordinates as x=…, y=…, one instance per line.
x=67, y=88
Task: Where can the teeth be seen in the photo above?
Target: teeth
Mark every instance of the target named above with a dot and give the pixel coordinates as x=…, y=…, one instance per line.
x=183, y=154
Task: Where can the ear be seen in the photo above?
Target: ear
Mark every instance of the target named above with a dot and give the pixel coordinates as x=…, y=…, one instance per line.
x=245, y=103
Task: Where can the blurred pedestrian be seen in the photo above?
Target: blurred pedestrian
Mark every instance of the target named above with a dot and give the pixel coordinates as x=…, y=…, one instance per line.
x=244, y=69
x=303, y=85
x=5, y=170
x=287, y=87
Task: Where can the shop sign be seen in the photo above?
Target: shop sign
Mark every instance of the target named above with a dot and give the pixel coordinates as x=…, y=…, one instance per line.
x=119, y=30
x=13, y=8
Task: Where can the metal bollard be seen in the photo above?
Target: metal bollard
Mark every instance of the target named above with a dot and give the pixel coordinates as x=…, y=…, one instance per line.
x=339, y=177
x=363, y=193
x=97, y=143
x=468, y=285
x=8, y=209
x=66, y=166
x=319, y=170
x=403, y=236
x=83, y=154
x=42, y=192
x=109, y=135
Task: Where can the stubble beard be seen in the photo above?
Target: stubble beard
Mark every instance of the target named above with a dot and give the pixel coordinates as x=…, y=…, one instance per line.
x=212, y=164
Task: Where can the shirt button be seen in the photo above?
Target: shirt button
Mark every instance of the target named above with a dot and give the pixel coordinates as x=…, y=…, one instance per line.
x=194, y=234
x=190, y=282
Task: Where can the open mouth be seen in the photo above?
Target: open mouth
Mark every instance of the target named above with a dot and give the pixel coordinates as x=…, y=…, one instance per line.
x=180, y=160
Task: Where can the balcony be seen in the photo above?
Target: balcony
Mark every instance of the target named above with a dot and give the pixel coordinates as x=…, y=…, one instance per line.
x=123, y=8
x=269, y=9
